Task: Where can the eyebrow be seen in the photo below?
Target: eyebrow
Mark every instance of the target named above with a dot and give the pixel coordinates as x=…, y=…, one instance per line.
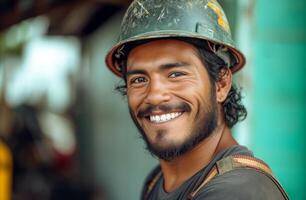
x=173, y=65
x=162, y=67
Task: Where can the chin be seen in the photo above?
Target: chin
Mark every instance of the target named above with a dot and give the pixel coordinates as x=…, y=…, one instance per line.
x=167, y=149
x=165, y=139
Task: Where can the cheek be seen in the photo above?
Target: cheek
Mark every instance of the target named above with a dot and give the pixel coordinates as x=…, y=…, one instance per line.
x=200, y=101
x=194, y=94
x=134, y=101
x=131, y=101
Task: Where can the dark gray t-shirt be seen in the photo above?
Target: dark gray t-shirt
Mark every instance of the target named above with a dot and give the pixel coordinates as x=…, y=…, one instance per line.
x=238, y=184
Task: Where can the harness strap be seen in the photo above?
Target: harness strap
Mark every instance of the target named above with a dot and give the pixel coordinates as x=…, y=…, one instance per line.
x=236, y=162
x=222, y=166
x=151, y=184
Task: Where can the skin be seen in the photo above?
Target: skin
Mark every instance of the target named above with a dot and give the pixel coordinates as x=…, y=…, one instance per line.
x=170, y=72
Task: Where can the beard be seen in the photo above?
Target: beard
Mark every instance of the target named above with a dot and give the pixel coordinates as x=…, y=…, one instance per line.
x=205, y=124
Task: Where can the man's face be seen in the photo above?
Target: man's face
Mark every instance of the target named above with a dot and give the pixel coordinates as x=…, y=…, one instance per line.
x=170, y=96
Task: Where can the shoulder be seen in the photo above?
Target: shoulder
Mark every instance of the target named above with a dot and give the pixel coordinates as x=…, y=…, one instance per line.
x=240, y=184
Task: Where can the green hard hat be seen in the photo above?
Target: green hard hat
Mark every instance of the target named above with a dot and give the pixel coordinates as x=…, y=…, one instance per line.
x=203, y=21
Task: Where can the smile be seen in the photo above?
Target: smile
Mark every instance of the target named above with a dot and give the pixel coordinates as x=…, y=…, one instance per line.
x=164, y=117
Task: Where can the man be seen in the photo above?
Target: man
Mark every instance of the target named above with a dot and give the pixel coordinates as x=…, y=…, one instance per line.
x=177, y=58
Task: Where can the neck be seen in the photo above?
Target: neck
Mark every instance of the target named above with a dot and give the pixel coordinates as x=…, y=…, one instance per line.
x=180, y=169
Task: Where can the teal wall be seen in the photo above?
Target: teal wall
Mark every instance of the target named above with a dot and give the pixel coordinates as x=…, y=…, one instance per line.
x=279, y=97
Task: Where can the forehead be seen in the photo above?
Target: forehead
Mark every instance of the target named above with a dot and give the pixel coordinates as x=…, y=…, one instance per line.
x=162, y=49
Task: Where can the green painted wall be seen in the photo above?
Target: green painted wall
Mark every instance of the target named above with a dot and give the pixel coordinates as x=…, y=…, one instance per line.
x=280, y=90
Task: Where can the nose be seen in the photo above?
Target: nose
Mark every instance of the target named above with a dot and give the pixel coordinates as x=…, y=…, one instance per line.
x=157, y=92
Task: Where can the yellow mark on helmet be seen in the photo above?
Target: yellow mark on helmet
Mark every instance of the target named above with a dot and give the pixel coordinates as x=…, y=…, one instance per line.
x=222, y=21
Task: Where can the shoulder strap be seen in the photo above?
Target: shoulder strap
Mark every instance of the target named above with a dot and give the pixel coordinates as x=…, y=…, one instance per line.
x=150, y=183
x=234, y=162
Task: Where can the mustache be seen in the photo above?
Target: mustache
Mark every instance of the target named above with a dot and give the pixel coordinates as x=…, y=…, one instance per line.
x=148, y=109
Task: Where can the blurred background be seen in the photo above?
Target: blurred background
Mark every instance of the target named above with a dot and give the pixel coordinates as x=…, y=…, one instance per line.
x=66, y=134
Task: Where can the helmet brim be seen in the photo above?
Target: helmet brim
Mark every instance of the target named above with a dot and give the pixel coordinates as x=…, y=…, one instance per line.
x=110, y=61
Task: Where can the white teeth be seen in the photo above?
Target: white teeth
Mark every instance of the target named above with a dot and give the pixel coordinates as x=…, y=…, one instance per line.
x=164, y=117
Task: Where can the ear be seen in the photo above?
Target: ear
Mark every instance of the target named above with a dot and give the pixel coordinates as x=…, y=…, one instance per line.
x=224, y=85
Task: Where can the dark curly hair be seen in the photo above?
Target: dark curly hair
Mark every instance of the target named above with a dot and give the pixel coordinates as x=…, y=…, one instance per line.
x=233, y=108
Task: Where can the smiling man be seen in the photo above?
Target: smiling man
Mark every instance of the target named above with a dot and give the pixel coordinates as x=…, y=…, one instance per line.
x=177, y=58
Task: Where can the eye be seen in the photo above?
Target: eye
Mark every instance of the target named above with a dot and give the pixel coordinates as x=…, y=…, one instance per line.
x=176, y=74
x=138, y=80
